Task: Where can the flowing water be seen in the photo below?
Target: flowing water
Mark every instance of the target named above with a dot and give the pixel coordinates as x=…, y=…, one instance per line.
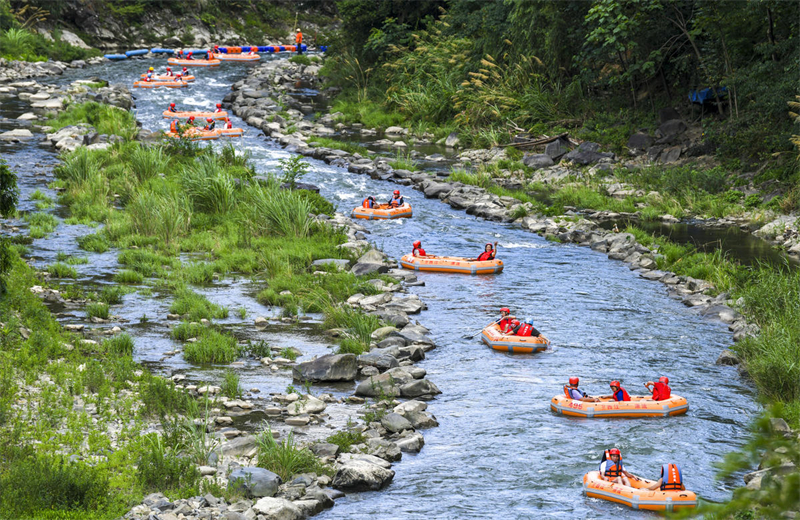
x=499, y=451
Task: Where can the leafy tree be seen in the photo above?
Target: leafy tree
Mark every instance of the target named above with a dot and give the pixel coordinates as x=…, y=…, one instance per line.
x=9, y=195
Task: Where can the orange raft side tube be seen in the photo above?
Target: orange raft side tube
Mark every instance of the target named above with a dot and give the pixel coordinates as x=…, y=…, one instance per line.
x=159, y=84
x=196, y=134
x=237, y=57
x=230, y=132
x=495, y=339
x=382, y=212
x=194, y=63
x=161, y=77
x=636, y=496
x=199, y=115
x=450, y=264
x=638, y=406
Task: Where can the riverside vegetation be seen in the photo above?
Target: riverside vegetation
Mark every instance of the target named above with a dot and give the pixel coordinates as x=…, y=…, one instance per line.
x=72, y=411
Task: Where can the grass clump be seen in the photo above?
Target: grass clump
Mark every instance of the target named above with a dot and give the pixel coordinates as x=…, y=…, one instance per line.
x=97, y=310
x=196, y=307
x=162, y=468
x=212, y=347
x=107, y=119
x=186, y=330
x=128, y=276
x=285, y=458
x=121, y=345
x=41, y=224
x=112, y=294
x=160, y=398
x=327, y=142
x=230, y=385
x=404, y=161
x=61, y=270
x=300, y=60
x=345, y=439
x=96, y=243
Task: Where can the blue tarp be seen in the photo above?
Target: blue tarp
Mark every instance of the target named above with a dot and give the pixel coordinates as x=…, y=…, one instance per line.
x=707, y=94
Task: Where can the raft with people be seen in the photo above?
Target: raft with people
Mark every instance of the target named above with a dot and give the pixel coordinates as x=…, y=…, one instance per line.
x=451, y=264
x=196, y=134
x=194, y=63
x=638, y=406
x=637, y=496
x=382, y=212
x=166, y=77
x=159, y=84
x=236, y=57
x=496, y=339
x=220, y=116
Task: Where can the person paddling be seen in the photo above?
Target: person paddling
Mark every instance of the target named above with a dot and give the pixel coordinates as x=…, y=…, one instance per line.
x=661, y=390
x=575, y=394
x=505, y=318
x=228, y=123
x=172, y=107
x=418, y=251
x=527, y=329
x=169, y=72
x=489, y=253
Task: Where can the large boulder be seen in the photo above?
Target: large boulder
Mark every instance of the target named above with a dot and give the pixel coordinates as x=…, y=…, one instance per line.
x=537, y=161
x=434, y=189
x=639, y=143
x=330, y=367
x=727, y=357
x=556, y=149
x=240, y=446
x=670, y=155
x=670, y=129
x=379, y=360
x=277, y=509
x=307, y=405
x=360, y=475
x=452, y=140
x=395, y=423
x=419, y=387
x=255, y=482
x=73, y=39
x=363, y=268
x=375, y=386
x=587, y=153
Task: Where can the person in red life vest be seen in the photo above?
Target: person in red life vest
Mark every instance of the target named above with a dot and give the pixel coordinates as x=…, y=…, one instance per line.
x=671, y=479
x=618, y=393
x=661, y=390
x=298, y=40
x=527, y=329
x=178, y=78
x=172, y=107
x=180, y=53
x=611, y=468
x=505, y=317
x=513, y=327
x=369, y=203
x=418, y=251
x=572, y=392
x=185, y=71
x=189, y=55
x=216, y=49
x=210, y=124
x=169, y=72
x=396, y=200
x=219, y=108
x=175, y=127
x=190, y=123
x=228, y=123
x=489, y=253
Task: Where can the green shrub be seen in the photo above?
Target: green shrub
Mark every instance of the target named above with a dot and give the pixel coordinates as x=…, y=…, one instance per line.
x=97, y=310
x=338, y=145
x=94, y=377
x=285, y=458
x=319, y=204
x=212, y=347
x=404, y=161
x=107, y=119
x=160, y=468
x=300, y=60
x=59, y=270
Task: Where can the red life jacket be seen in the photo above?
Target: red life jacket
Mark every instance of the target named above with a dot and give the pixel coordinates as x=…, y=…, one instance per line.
x=229, y=125
x=172, y=109
x=173, y=126
x=217, y=111
x=661, y=392
x=504, y=322
x=613, y=469
x=625, y=396
x=671, y=478
x=418, y=251
x=525, y=330
x=486, y=255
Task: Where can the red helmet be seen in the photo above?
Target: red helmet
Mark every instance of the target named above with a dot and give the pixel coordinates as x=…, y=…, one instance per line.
x=227, y=120
x=505, y=309
x=209, y=119
x=663, y=379
x=190, y=53
x=219, y=105
x=614, y=383
x=614, y=451
x=191, y=118
x=172, y=104
x=397, y=193
x=574, y=380
x=169, y=68
x=417, y=243
x=515, y=322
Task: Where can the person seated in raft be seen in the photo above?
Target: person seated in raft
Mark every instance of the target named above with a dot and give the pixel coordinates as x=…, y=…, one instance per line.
x=180, y=54
x=219, y=108
x=505, y=318
x=175, y=126
x=527, y=329
x=172, y=107
x=369, y=202
x=489, y=253
x=418, y=251
x=396, y=200
x=611, y=468
x=575, y=394
x=179, y=78
x=189, y=55
x=661, y=390
x=148, y=76
x=189, y=123
x=618, y=393
x=228, y=123
x=210, y=124
x=512, y=328
x=169, y=72
x=671, y=479
x=185, y=71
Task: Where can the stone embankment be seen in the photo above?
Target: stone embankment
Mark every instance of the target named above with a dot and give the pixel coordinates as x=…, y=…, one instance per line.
x=13, y=70
x=260, y=97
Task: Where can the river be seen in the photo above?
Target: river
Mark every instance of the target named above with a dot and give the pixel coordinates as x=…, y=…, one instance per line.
x=499, y=451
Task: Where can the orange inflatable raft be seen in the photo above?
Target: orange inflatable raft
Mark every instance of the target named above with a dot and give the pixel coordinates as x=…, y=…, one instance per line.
x=636, y=496
x=381, y=212
x=193, y=63
x=638, y=406
x=450, y=264
x=494, y=338
x=161, y=77
x=199, y=115
x=197, y=134
x=159, y=84
x=237, y=57
x=231, y=132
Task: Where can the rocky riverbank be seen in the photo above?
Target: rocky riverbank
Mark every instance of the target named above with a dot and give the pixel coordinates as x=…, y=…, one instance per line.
x=14, y=70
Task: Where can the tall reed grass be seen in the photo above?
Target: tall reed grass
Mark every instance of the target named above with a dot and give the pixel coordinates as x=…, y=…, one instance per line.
x=147, y=162
x=269, y=210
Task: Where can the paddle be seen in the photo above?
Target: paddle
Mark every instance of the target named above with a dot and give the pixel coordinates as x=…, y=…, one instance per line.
x=481, y=330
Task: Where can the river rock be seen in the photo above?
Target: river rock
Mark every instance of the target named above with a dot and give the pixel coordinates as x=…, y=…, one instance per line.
x=410, y=406
x=363, y=268
x=452, y=140
x=379, y=360
x=277, y=509
x=587, y=153
x=779, y=425
x=409, y=305
x=260, y=322
x=434, y=189
x=670, y=129
x=419, y=387
x=373, y=256
x=420, y=420
x=411, y=336
x=240, y=446
x=670, y=155
x=376, y=385
x=639, y=142
x=395, y=423
x=398, y=319
x=412, y=443
x=16, y=134
x=537, y=161
x=256, y=482
x=359, y=475
x=330, y=367
x=340, y=263
x=309, y=404
x=381, y=333
x=556, y=149
x=325, y=449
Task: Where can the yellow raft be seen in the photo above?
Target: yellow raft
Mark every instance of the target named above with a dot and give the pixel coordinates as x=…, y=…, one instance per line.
x=237, y=57
x=636, y=496
x=197, y=134
x=495, y=339
x=638, y=406
x=450, y=264
x=382, y=212
x=159, y=84
x=199, y=115
x=161, y=77
x=194, y=63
